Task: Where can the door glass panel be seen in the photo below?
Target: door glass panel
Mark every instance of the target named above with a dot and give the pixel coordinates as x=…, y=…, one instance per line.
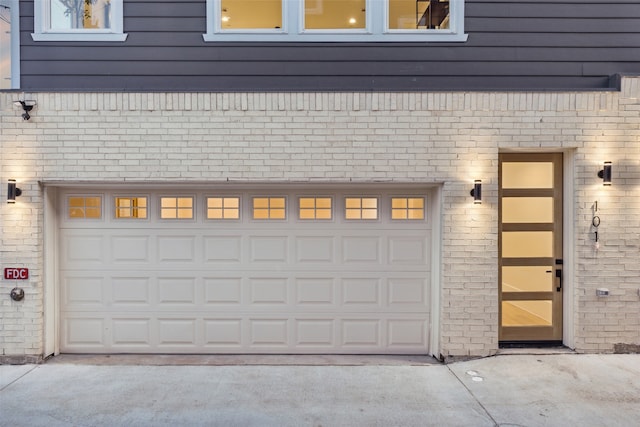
x=250, y=14
x=223, y=207
x=176, y=207
x=131, y=207
x=407, y=208
x=334, y=14
x=527, y=209
x=527, y=175
x=527, y=244
x=85, y=207
x=315, y=208
x=361, y=208
x=269, y=208
x=527, y=279
x=527, y=313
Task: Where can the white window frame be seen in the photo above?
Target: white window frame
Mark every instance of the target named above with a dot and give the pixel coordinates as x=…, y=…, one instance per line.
x=14, y=7
x=43, y=32
x=376, y=31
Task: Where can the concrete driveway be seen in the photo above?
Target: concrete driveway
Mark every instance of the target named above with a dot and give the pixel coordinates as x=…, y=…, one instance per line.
x=527, y=390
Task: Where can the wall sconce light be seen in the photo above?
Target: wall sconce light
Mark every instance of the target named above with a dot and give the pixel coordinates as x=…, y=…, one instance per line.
x=476, y=192
x=13, y=191
x=605, y=174
x=27, y=105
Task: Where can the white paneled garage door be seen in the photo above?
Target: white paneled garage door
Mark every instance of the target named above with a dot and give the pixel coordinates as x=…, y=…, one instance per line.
x=267, y=271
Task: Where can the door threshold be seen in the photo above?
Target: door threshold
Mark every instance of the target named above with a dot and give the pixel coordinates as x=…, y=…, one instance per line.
x=533, y=348
x=530, y=344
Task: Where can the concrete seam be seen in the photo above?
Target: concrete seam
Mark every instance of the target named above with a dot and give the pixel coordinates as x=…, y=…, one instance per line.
x=486, y=411
x=18, y=379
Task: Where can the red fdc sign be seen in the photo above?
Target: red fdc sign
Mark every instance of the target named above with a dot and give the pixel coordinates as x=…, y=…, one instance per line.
x=14, y=273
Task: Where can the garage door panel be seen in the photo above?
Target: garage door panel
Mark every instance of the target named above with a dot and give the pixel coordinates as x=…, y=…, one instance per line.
x=407, y=250
x=129, y=291
x=315, y=333
x=83, y=291
x=361, y=332
x=176, y=290
x=268, y=332
x=81, y=249
x=127, y=249
x=361, y=291
x=131, y=332
x=223, y=290
x=315, y=249
x=270, y=249
x=225, y=333
x=408, y=291
x=406, y=333
x=177, y=331
x=83, y=332
x=227, y=249
x=245, y=286
x=315, y=291
x=176, y=248
x=361, y=249
x=268, y=290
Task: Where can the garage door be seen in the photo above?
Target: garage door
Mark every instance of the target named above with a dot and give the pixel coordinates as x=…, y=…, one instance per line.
x=277, y=270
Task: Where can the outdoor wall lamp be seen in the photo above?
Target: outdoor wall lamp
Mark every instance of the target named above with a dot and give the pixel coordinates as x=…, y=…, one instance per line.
x=476, y=192
x=13, y=191
x=605, y=174
x=27, y=105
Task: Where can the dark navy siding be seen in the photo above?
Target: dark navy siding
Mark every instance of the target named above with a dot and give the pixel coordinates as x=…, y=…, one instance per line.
x=512, y=45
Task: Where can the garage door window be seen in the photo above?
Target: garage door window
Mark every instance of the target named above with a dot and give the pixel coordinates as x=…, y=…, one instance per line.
x=223, y=207
x=85, y=207
x=407, y=208
x=315, y=208
x=176, y=207
x=361, y=208
x=269, y=208
x=131, y=207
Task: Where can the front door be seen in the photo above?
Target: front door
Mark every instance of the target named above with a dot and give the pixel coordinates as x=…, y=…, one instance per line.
x=530, y=247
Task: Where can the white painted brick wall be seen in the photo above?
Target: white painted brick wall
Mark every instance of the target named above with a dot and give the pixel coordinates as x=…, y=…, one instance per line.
x=432, y=138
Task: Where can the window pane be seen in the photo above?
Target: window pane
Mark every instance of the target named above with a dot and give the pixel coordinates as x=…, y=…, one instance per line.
x=419, y=15
x=361, y=208
x=527, y=175
x=334, y=14
x=80, y=14
x=176, y=207
x=223, y=207
x=407, y=208
x=131, y=207
x=527, y=313
x=269, y=208
x=85, y=207
x=315, y=208
x=527, y=209
x=527, y=279
x=527, y=244
x=251, y=14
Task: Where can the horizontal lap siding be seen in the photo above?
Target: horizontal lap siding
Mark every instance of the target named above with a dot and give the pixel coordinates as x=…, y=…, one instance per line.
x=512, y=45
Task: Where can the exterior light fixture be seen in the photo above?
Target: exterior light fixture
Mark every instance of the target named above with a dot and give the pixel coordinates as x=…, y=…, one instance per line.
x=27, y=105
x=13, y=191
x=605, y=174
x=476, y=192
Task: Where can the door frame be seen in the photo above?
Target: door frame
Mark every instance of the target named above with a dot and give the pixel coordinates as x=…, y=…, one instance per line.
x=568, y=239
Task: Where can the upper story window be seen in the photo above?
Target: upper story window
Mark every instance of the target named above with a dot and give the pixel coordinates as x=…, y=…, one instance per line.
x=335, y=20
x=78, y=20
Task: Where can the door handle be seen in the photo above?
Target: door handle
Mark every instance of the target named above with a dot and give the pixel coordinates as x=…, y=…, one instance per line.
x=559, y=276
